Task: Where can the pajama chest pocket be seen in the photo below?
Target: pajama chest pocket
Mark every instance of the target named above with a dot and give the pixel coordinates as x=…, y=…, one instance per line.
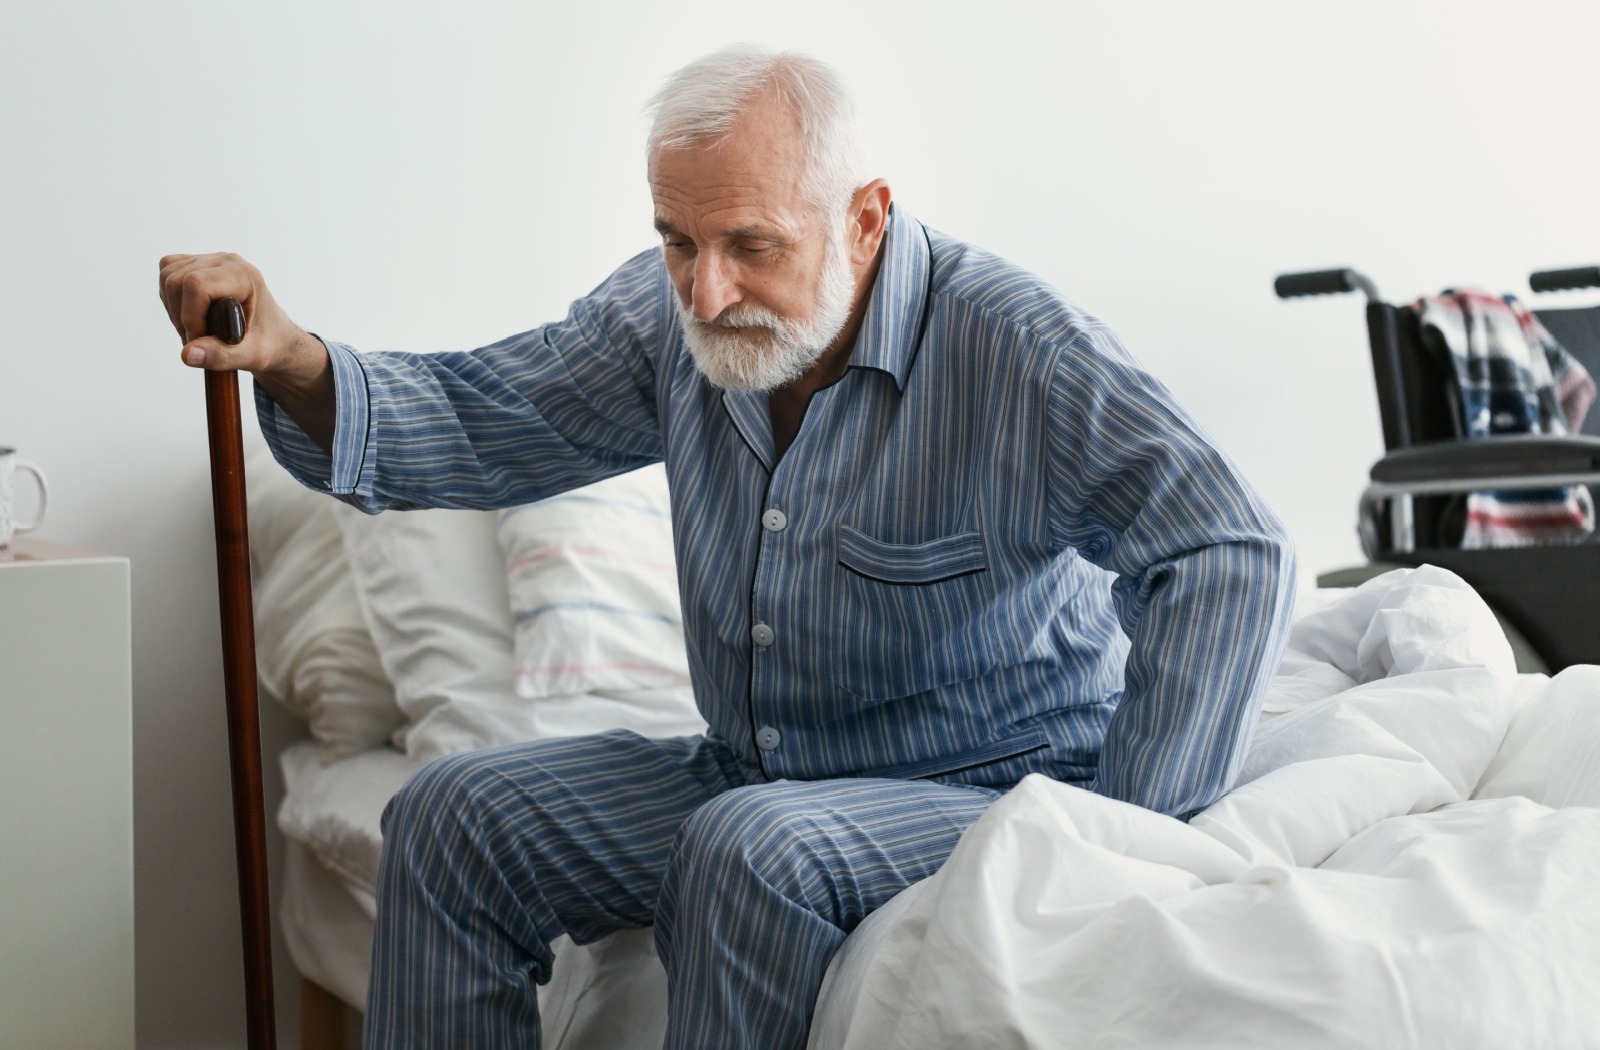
x=910, y=614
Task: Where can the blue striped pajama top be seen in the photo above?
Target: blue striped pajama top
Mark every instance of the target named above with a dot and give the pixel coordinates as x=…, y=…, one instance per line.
x=1001, y=546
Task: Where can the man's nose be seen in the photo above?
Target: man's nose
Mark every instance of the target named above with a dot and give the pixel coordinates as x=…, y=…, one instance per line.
x=714, y=288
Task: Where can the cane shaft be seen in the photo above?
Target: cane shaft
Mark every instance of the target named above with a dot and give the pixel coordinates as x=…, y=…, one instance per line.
x=239, y=676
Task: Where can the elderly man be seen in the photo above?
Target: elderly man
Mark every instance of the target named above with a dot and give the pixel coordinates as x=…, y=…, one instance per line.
x=936, y=531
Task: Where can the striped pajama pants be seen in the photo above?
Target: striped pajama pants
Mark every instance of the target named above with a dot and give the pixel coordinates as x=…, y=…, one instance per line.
x=489, y=856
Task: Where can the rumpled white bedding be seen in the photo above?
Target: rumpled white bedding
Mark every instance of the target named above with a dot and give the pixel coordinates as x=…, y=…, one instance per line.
x=1411, y=859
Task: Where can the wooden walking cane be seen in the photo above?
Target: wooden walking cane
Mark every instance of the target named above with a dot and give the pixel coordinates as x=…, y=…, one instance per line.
x=225, y=320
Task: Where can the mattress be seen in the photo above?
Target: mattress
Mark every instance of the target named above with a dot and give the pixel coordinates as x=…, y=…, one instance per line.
x=330, y=818
x=327, y=924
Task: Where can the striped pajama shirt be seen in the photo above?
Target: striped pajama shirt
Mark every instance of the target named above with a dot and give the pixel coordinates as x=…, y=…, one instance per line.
x=997, y=546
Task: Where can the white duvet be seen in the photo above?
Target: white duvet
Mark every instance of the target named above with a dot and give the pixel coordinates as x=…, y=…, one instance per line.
x=1411, y=859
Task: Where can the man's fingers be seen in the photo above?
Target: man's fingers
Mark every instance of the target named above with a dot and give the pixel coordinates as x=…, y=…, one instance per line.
x=198, y=288
x=171, y=294
x=190, y=283
x=177, y=287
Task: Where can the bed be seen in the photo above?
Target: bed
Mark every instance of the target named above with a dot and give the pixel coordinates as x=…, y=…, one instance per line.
x=1411, y=856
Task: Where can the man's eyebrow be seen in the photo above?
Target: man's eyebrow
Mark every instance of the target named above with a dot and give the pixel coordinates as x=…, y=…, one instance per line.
x=752, y=233
x=742, y=233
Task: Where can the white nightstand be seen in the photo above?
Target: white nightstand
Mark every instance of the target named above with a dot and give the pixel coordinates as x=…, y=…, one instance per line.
x=66, y=799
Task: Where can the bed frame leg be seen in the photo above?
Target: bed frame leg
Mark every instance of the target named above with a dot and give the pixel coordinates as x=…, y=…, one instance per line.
x=324, y=1019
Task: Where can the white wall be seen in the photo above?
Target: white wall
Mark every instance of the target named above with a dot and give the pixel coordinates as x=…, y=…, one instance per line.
x=435, y=176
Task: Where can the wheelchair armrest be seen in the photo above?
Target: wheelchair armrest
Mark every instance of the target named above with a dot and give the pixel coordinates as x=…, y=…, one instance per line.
x=1511, y=461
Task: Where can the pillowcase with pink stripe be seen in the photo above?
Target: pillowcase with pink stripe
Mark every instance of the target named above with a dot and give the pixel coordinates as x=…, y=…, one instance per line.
x=594, y=589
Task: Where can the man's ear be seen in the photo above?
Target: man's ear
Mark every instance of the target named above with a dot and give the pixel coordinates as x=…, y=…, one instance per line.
x=869, y=214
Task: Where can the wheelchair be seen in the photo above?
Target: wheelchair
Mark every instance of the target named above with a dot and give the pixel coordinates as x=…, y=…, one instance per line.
x=1547, y=598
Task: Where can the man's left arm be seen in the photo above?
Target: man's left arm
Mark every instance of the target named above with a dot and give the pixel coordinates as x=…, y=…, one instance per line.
x=1205, y=574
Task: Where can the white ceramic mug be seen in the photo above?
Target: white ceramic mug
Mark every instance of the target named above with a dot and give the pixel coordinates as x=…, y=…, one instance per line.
x=9, y=465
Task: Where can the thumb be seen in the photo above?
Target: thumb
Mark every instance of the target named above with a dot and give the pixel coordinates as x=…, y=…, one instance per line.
x=212, y=354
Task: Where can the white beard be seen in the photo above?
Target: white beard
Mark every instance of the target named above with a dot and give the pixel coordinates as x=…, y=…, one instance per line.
x=770, y=350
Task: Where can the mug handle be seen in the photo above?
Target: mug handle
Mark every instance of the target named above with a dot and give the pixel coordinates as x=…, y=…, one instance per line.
x=44, y=495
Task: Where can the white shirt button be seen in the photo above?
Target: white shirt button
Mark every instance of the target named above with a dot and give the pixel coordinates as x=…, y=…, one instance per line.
x=774, y=520
x=768, y=738
x=762, y=635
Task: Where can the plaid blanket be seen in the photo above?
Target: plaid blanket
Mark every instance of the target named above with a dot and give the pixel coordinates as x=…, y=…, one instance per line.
x=1514, y=378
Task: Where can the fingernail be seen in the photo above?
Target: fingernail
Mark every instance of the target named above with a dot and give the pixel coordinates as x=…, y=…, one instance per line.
x=197, y=357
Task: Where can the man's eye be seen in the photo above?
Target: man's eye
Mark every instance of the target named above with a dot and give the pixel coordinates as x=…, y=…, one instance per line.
x=753, y=249
x=679, y=246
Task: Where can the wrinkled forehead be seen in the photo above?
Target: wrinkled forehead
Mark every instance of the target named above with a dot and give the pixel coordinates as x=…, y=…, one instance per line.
x=756, y=171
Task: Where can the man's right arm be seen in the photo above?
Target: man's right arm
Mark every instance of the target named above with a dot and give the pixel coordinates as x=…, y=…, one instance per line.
x=289, y=363
x=526, y=418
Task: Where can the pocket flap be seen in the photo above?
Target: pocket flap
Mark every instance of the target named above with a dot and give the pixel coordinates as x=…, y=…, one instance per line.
x=911, y=563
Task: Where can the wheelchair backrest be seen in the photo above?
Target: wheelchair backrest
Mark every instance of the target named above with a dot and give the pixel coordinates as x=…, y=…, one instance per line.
x=1417, y=391
x=1418, y=397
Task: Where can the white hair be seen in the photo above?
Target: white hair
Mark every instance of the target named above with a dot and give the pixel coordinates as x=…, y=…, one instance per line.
x=698, y=105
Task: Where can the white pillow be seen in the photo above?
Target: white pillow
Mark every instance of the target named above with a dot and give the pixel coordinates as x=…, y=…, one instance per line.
x=594, y=590
x=433, y=588
x=313, y=652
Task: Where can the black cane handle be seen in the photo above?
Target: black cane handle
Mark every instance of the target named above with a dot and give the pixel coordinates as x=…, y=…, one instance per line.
x=225, y=320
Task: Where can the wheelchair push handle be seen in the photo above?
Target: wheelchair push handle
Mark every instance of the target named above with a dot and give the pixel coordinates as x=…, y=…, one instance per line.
x=1559, y=280
x=1324, y=282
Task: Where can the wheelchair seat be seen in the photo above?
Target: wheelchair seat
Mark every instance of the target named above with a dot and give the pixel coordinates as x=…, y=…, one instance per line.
x=1550, y=595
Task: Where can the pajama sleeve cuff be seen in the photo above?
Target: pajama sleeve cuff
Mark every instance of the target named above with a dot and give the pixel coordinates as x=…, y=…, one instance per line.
x=343, y=472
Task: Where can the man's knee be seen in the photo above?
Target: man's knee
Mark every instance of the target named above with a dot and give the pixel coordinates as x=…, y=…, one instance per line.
x=426, y=790
x=758, y=832
x=448, y=794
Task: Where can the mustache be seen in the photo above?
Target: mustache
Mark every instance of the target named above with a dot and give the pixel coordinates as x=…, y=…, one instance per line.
x=738, y=317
